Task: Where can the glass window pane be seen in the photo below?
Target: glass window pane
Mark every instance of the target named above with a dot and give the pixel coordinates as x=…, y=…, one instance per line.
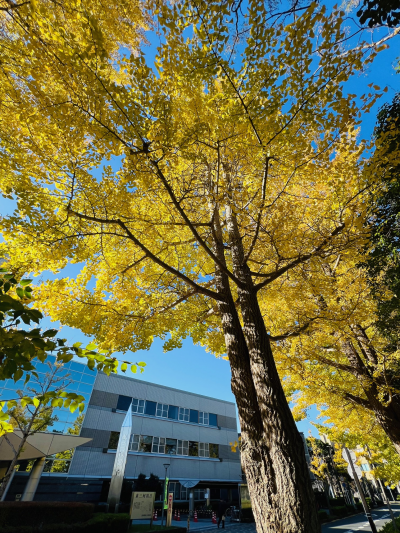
x=79, y=367
x=145, y=443
x=162, y=410
x=183, y=447
x=183, y=414
x=173, y=412
x=194, y=416
x=151, y=408
x=193, y=448
x=123, y=402
x=83, y=387
x=113, y=442
x=75, y=376
x=134, y=443
x=214, y=450
x=171, y=446
x=88, y=379
x=213, y=419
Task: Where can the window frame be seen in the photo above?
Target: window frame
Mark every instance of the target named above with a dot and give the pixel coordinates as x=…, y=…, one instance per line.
x=135, y=408
x=163, y=409
x=142, y=443
x=183, y=414
x=182, y=447
x=156, y=447
x=134, y=442
x=203, y=416
x=204, y=449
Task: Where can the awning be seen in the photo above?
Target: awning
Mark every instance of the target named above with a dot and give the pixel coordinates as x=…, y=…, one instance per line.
x=189, y=483
x=38, y=445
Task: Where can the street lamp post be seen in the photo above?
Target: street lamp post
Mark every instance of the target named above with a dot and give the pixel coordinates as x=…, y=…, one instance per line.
x=166, y=466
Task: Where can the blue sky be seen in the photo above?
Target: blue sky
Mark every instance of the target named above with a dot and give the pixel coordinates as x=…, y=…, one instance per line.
x=191, y=367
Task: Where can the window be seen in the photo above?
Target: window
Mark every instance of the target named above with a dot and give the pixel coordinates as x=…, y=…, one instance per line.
x=193, y=448
x=113, y=442
x=183, y=414
x=184, y=493
x=158, y=445
x=214, y=450
x=199, y=494
x=134, y=443
x=145, y=443
x=170, y=447
x=123, y=403
x=203, y=418
x=203, y=449
x=194, y=416
x=173, y=412
x=151, y=408
x=175, y=487
x=137, y=406
x=162, y=410
x=183, y=447
x=212, y=420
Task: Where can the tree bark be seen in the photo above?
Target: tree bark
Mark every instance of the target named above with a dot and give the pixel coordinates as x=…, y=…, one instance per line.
x=272, y=451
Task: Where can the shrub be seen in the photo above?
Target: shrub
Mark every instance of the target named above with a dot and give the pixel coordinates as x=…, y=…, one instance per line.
x=360, y=506
x=323, y=516
x=337, y=502
x=388, y=527
x=369, y=502
x=340, y=511
x=100, y=523
x=33, y=514
x=398, y=498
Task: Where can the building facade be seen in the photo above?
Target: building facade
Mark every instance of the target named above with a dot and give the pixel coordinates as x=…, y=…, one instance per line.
x=190, y=432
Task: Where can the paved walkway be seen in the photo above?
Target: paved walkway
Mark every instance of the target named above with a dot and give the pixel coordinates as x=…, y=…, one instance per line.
x=352, y=524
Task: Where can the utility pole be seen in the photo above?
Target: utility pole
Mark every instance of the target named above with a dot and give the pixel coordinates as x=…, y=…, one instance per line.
x=360, y=491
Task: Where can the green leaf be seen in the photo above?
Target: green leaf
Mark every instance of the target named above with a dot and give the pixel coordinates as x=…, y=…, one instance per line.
x=11, y=404
x=134, y=369
x=18, y=375
x=50, y=333
x=142, y=363
x=36, y=402
x=20, y=292
x=25, y=282
x=124, y=366
x=91, y=346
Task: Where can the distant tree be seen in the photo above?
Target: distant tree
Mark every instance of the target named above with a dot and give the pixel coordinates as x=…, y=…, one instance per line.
x=32, y=415
x=152, y=484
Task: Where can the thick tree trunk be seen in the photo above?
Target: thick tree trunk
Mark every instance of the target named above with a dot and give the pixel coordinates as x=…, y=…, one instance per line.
x=272, y=450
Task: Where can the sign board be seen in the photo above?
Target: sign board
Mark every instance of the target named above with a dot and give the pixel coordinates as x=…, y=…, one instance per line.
x=352, y=455
x=166, y=493
x=169, y=512
x=357, y=470
x=142, y=505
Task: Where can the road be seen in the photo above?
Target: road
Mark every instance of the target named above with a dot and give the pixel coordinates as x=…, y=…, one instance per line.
x=359, y=522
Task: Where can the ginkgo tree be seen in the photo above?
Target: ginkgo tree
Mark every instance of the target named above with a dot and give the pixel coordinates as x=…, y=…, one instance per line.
x=233, y=162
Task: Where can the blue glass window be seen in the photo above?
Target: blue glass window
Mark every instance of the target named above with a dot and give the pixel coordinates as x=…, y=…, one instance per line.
x=151, y=408
x=213, y=420
x=77, y=366
x=88, y=371
x=85, y=388
x=76, y=376
x=88, y=379
x=173, y=412
x=124, y=402
x=194, y=416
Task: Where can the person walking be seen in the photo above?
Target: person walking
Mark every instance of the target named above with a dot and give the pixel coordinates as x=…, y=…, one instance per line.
x=222, y=507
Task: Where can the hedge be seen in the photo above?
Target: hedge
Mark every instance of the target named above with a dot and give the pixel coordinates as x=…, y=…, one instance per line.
x=33, y=514
x=100, y=523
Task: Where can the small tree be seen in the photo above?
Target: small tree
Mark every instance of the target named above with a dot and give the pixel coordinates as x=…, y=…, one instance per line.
x=32, y=415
